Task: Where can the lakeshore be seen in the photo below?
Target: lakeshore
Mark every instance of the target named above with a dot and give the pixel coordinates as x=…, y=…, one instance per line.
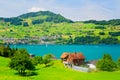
x=92, y=52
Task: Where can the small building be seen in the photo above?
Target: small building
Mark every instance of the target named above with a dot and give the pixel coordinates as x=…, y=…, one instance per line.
x=32, y=55
x=92, y=64
x=72, y=59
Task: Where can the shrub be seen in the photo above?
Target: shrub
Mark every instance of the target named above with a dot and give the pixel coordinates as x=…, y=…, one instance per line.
x=106, y=63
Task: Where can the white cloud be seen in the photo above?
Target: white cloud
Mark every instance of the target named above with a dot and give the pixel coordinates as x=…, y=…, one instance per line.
x=35, y=9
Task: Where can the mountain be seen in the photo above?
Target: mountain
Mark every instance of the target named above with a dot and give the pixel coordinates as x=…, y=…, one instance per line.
x=36, y=18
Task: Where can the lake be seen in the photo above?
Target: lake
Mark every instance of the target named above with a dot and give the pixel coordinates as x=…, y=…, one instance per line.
x=91, y=52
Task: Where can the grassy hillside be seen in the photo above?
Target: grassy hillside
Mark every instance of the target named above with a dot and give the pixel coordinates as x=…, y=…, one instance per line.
x=43, y=27
x=55, y=72
x=58, y=32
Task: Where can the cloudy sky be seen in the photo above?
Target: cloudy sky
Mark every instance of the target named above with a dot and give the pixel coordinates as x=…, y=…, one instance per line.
x=72, y=9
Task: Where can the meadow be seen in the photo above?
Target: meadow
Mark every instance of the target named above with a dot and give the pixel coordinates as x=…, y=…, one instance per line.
x=54, y=72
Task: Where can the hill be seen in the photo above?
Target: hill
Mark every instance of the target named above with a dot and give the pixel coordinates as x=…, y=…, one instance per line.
x=45, y=27
x=35, y=18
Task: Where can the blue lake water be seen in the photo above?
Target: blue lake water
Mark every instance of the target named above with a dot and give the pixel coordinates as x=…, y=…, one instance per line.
x=91, y=52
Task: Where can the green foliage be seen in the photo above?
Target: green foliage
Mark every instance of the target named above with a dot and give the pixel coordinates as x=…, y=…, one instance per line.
x=86, y=40
x=47, y=59
x=70, y=40
x=57, y=19
x=113, y=22
x=21, y=61
x=109, y=40
x=100, y=27
x=103, y=22
x=25, y=24
x=106, y=63
x=39, y=21
x=102, y=33
x=114, y=33
x=6, y=51
x=35, y=14
x=118, y=63
x=14, y=20
x=37, y=60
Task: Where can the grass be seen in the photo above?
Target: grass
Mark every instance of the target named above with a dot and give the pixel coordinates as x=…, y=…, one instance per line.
x=55, y=72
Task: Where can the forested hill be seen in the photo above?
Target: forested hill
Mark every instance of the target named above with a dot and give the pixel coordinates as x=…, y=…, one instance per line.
x=36, y=18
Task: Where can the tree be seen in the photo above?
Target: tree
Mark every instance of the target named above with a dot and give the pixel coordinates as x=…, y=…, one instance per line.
x=47, y=59
x=21, y=61
x=118, y=63
x=6, y=51
x=37, y=60
x=70, y=40
x=25, y=24
x=106, y=63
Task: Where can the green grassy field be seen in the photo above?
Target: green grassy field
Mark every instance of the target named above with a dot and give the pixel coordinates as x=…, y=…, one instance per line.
x=55, y=72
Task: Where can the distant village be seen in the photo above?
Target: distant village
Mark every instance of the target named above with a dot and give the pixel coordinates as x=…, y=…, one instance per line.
x=34, y=40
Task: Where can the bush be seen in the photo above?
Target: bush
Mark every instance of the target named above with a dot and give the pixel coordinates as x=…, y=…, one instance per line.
x=47, y=59
x=106, y=63
x=37, y=60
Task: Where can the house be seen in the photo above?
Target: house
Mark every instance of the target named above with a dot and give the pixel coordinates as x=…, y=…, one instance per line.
x=72, y=59
x=32, y=55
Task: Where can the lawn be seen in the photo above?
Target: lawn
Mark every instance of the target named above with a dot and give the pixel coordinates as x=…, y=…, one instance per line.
x=55, y=72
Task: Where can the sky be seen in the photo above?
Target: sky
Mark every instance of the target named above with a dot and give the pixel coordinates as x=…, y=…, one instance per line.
x=77, y=10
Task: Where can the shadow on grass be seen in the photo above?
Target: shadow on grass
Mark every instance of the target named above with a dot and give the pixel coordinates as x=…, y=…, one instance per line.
x=30, y=73
x=48, y=65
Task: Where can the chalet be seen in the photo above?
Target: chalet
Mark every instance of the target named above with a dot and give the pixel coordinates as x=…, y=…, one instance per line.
x=72, y=59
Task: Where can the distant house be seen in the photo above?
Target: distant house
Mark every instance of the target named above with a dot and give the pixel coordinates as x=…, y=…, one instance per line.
x=72, y=59
x=32, y=55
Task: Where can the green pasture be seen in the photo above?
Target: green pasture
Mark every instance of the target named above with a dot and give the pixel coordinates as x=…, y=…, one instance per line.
x=55, y=72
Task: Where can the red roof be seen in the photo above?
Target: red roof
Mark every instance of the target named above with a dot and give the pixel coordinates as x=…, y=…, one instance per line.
x=64, y=55
x=75, y=56
x=72, y=56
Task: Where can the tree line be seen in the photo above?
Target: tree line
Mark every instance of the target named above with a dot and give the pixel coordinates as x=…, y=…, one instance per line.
x=113, y=22
x=90, y=40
